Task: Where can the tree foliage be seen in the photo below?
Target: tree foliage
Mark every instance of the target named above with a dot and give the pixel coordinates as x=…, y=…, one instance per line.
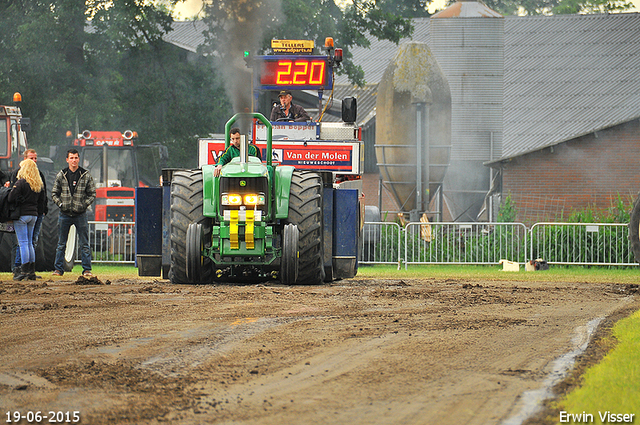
x=115, y=73
x=557, y=7
x=350, y=24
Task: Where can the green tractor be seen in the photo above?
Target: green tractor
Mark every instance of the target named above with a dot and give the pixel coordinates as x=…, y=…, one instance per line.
x=256, y=221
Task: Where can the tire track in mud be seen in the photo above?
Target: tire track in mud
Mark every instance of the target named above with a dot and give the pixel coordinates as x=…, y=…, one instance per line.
x=177, y=353
x=298, y=380
x=203, y=343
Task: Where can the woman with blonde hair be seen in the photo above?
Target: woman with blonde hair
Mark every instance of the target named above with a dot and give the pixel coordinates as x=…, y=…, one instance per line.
x=28, y=194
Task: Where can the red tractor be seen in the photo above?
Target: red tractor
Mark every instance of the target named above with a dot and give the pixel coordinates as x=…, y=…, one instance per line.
x=13, y=144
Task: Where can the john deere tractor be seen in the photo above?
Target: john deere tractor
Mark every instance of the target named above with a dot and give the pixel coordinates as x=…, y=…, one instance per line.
x=255, y=221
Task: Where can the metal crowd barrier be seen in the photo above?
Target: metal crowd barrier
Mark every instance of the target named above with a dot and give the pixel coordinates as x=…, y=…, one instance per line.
x=591, y=244
x=464, y=243
x=380, y=243
x=111, y=242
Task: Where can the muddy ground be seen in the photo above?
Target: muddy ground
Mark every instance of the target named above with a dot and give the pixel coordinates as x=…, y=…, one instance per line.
x=357, y=351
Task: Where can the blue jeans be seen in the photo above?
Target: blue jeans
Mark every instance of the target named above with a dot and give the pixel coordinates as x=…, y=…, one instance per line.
x=24, y=232
x=82, y=228
x=36, y=235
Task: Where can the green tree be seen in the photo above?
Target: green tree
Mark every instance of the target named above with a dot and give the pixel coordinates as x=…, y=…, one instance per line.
x=557, y=7
x=237, y=25
x=406, y=8
x=113, y=74
x=591, y=6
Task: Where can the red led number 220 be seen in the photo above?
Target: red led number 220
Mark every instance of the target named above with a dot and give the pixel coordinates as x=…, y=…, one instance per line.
x=294, y=73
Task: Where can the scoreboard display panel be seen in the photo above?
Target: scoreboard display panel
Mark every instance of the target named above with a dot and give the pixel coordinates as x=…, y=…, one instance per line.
x=293, y=72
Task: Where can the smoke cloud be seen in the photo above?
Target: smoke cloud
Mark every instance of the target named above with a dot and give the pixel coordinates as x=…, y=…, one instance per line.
x=240, y=26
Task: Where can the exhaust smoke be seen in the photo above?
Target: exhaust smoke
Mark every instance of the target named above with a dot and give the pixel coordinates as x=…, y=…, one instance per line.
x=238, y=26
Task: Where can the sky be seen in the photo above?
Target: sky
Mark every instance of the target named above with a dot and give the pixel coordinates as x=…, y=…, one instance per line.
x=189, y=8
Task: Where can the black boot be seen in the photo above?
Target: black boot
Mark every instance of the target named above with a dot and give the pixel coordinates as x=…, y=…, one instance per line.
x=16, y=272
x=31, y=271
x=22, y=272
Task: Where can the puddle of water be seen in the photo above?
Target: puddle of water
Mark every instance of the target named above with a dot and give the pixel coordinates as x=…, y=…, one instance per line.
x=532, y=400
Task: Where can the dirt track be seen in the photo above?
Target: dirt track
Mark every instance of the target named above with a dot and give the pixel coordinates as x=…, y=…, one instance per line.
x=361, y=351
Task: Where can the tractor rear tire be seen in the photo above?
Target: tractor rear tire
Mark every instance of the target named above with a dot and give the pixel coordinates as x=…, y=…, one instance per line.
x=6, y=252
x=48, y=239
x=289, y=264
x=634, y=229
x=305, y=211
x=186, y=208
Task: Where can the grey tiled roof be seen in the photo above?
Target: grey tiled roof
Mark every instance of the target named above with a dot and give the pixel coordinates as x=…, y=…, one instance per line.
x=568, y=75
x=187, y=35
x=564, y=76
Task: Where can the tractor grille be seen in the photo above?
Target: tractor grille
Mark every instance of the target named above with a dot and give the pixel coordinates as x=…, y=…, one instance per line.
x=242, y=186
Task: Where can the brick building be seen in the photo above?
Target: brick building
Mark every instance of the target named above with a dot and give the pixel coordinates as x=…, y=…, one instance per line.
x=592, y=171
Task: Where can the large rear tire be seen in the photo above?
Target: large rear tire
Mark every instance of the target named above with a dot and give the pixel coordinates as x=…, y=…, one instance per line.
x=6, y=252
x=186, y=208
x=48, y=239
x=634, y=229
x=305, y=211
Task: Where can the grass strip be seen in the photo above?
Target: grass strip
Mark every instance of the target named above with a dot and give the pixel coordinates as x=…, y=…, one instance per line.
x=577, y=274
x=611, y=388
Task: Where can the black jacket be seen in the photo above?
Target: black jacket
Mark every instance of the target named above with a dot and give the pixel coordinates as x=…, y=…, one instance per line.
x=43, y=206
x=296, y=113
x=28, y=200
x=8, y=210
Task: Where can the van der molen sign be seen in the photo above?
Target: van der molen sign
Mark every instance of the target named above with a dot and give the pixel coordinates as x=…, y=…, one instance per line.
x=292, y=46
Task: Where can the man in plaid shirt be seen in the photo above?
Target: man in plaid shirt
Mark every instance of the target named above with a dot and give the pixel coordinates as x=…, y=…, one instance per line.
x=73, y=192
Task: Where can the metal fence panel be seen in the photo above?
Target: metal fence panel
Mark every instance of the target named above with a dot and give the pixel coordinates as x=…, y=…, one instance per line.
x=111, y=242
x=464, y=243
x=381, y=243
x=597, y=244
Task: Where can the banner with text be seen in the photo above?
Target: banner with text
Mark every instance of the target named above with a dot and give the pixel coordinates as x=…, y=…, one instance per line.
x=342, y=157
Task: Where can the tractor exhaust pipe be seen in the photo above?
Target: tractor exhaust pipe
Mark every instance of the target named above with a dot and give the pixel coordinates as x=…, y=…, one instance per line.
x=244, y=149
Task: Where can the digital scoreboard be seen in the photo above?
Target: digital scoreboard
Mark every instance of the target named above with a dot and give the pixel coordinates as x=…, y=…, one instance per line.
x=293, y=72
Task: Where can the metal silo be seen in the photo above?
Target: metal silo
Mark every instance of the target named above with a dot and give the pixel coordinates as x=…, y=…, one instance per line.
x=467, y=38
x=413, y=127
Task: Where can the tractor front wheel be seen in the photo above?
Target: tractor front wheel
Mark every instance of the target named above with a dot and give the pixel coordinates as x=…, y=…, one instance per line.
x=634, y=229
x=194, y=257
x=289, y=264
x=305, y=211
x=186, y=208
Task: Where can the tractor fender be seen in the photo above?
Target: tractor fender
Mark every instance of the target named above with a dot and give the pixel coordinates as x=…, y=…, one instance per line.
x=283, y=175
x=210, y=188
